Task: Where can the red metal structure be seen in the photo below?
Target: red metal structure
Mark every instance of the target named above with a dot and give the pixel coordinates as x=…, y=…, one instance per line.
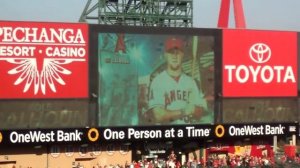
x=238, y=14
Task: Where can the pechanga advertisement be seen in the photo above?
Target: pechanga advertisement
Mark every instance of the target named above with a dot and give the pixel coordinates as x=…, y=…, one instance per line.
x=148, y=79
x=43, y=60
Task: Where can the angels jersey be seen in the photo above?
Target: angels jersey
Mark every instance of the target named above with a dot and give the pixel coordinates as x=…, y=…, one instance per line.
x=175, y=94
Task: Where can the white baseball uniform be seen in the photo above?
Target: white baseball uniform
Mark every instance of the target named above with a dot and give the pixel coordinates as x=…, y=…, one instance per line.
x=173, y=94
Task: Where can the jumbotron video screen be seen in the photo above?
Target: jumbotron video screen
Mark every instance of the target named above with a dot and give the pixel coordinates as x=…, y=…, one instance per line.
x=154, y=79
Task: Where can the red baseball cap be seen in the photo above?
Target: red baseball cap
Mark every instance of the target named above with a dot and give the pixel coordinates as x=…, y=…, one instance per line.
x=174, y=42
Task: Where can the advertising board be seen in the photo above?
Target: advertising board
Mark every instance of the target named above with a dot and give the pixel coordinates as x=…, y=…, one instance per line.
x=152, y=133
x=43, y=60
x=259, y=63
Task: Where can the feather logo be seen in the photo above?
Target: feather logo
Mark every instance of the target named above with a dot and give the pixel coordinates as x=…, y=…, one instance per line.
x=28, y=74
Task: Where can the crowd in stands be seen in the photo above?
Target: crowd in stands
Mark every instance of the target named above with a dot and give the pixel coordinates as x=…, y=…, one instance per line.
x=235, y=161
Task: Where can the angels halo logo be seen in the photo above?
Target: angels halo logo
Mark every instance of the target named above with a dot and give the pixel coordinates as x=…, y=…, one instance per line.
x=260, y=53
x=40, y=58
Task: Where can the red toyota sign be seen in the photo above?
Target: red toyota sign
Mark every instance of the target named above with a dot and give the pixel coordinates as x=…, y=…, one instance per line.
x=259, y=63
x=43, y=60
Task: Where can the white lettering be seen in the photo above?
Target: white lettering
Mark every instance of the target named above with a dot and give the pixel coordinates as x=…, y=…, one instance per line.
x=230, y=68
x=255, y=73
x=278, y=70
x=266, y=74
x=109, y=134
x=193, y=132
x=246, y=130
x=32, y=136
x=41, y=35
x=289, y=75
x=68, y=136
x=132, y=133
x=65, y=51
x=16, y=51
x=242, y=69
x=276, y=130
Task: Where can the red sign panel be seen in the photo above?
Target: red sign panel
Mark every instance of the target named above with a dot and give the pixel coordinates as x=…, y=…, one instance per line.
x=43, y=60
x=259, y=63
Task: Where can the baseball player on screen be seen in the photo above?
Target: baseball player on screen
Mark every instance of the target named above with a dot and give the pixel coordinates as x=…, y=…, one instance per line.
x=173, y=95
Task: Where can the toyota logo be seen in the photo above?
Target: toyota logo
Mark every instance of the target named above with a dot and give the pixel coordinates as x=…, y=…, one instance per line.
x=260, y=53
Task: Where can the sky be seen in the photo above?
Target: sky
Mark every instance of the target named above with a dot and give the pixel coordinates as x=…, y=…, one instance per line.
x=259, y=14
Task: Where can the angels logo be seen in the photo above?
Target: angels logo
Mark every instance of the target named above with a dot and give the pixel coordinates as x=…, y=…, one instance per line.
x=42, y=57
